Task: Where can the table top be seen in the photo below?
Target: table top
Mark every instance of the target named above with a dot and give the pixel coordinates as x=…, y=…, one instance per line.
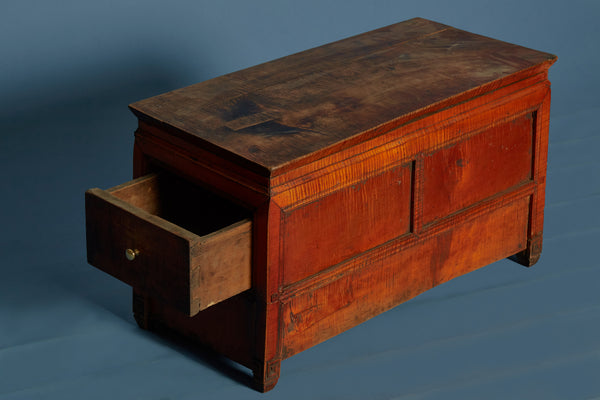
x=277, y=113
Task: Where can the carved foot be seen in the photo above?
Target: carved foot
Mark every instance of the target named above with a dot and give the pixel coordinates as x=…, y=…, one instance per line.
x=531, y=254
x=266, y=375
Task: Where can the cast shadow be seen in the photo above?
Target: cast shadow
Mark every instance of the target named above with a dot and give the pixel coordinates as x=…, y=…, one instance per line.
x=58, y=126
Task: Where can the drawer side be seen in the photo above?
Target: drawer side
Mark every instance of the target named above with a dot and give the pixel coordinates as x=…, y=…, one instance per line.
x=221, y=266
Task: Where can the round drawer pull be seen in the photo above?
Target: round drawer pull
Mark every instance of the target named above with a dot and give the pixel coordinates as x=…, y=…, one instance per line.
x=130, y=254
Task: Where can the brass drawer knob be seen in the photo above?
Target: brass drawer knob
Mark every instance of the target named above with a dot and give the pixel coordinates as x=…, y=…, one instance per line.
x=130, y=254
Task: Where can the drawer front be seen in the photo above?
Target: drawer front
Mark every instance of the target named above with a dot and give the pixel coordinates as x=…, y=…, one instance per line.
x=127, y=238
x=488, y=163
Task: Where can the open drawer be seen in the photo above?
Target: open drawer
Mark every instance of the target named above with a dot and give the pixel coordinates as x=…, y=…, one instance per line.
x=171, y=239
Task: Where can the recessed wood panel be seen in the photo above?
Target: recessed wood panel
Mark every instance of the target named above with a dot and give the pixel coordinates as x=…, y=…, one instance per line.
x=347, y=222
x=472, y=170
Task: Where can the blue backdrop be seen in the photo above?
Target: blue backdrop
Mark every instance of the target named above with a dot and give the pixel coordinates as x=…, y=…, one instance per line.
x=68, y=71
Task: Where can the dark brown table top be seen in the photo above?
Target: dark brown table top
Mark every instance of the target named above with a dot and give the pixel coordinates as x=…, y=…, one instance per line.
x=278, y=112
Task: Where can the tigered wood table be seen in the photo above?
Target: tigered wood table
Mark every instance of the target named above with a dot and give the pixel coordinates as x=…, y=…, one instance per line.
x=275, y=207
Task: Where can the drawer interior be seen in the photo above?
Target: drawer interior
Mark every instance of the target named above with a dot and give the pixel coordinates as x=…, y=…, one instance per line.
x=180, y=202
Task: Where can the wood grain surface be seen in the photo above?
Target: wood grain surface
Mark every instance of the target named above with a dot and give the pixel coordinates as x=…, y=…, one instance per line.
x=277, y=113
x=372, y=169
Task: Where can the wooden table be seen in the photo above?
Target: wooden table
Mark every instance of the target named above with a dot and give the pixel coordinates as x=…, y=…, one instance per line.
x=280, y=205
